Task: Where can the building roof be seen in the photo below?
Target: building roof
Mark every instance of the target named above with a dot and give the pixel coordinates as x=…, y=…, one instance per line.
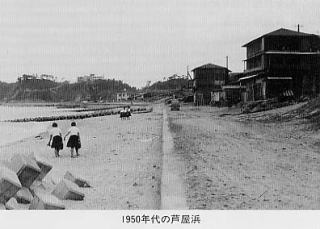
x=281, y=32
x=286, y=32
x=209, y=66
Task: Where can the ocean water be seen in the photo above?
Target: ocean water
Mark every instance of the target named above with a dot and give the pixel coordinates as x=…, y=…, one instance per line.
x=11, y=132
x=18, y=112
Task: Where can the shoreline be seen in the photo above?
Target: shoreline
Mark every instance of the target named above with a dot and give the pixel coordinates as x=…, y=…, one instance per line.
x=71, y=104
x=78, y=116
x=67, y=117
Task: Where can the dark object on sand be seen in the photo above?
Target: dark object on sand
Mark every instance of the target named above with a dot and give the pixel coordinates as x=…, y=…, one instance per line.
x=126, y=114
x=175, y=105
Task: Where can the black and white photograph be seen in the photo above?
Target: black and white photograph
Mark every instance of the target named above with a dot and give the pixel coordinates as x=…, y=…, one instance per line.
x=164, y=113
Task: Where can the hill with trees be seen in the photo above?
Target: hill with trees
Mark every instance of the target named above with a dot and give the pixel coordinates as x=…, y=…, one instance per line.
x=6, y=89
x=93, y=91
x=176, y=85
x=51, y=91
x=174, y=82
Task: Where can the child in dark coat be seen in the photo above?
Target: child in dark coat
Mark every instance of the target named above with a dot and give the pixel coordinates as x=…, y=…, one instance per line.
x=55, y=139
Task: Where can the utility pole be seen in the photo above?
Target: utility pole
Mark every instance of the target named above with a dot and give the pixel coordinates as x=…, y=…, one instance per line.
x=227, y=62
x=299, y=26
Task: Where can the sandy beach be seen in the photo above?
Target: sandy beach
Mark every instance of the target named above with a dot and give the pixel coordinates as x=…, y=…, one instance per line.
x=121, y=159
x=216, y=161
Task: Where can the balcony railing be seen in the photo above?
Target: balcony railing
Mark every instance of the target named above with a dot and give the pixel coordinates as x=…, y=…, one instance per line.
x=253, y=69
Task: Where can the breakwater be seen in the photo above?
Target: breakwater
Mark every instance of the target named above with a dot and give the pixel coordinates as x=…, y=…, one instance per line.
x=109, y=107
x=96, y=109
x=79, y=116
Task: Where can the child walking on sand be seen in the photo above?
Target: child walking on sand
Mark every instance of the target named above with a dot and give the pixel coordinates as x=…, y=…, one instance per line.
x=55, y=139
x=74, y=139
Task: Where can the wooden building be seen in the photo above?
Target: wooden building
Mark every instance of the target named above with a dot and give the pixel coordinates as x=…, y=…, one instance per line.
x=208, y=78
x=232, y=90
x=282, y=63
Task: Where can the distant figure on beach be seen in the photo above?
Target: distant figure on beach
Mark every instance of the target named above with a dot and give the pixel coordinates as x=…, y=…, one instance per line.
x=128, y=112
x=56, y=139
x=74, y=140
x=123, y=113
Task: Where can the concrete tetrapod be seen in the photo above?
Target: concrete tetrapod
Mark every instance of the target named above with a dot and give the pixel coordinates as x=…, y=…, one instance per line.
x=12, y=204
x=45, y=169
x=9, y=184
x=44, y=201
x=26, y=168
x=66, y=190
x=24, y=196
x=77, y=180
x=36, y=186
x=44, y=166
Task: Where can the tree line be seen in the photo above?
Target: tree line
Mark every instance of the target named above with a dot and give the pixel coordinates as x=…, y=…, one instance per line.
x=50, y=91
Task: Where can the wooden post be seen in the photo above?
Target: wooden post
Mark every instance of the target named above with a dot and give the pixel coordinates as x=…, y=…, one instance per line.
x=253, y=92
x=227, y=62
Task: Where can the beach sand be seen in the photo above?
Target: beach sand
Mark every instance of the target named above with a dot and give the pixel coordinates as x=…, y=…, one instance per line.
x=121, y=159
x=223, y=162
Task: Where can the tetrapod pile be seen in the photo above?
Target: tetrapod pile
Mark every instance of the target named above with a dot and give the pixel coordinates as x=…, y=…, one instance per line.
x=22, y=185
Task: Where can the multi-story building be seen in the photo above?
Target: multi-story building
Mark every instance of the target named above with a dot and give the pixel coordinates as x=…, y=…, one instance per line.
x=208, y=78
x=282, y=63
x=91, y=77
x=48, y=77
x=26, y=77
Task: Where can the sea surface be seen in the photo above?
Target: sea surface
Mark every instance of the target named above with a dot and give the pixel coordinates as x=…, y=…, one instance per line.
x=11, y=132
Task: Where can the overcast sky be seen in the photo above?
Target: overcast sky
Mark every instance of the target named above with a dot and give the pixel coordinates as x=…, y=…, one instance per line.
x=137, y=40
